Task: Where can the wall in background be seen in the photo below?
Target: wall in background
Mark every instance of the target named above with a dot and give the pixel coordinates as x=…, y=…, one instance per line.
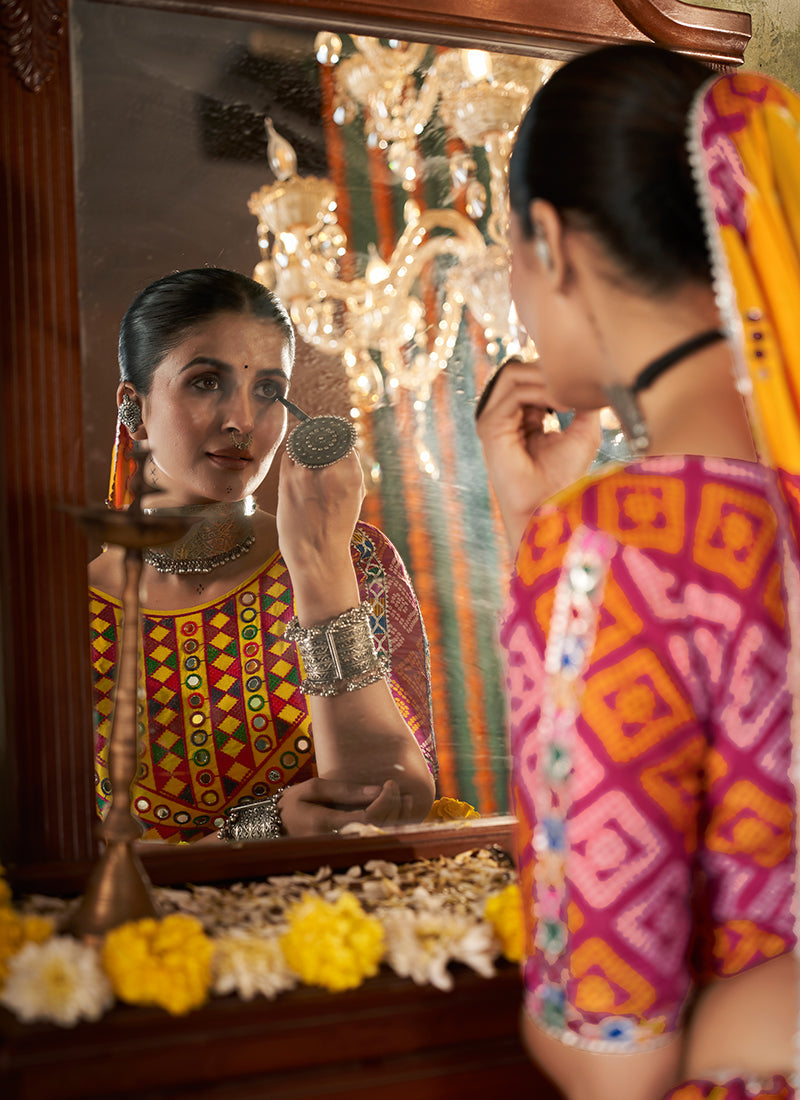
x=775, y=46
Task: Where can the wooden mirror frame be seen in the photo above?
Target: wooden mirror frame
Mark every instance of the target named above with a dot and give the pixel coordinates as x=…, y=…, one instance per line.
x=46, y=795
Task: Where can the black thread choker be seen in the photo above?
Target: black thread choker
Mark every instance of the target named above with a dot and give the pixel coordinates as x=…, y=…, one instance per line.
x=647, y=376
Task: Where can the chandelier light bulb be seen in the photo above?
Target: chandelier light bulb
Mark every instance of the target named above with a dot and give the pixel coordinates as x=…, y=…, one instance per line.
x=281, y=156
x=327, y=48
x=377, y=271
x=477, y=65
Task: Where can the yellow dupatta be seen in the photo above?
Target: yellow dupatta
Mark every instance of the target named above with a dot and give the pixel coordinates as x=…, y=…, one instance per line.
x=745, y=151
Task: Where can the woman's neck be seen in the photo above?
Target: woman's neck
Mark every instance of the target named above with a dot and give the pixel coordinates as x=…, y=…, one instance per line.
x=223, y=532
x=694, y=407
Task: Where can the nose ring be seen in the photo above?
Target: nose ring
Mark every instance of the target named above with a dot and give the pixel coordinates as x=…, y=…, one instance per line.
x=242, y=442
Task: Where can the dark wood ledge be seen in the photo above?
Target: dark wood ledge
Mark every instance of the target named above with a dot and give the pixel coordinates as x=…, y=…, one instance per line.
x=389, y=1038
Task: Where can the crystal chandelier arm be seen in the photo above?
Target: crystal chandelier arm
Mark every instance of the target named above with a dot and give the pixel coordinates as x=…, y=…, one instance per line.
x=498, y=151
x=410, y=254
x=383, y=58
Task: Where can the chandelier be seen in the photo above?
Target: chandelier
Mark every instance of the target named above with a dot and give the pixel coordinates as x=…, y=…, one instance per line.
x=395, y=324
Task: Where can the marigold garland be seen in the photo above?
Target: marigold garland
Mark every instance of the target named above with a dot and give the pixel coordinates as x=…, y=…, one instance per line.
x=340, y=927
x=333, y=944
x=504, y=912
x=451, y=809
x=160, y=962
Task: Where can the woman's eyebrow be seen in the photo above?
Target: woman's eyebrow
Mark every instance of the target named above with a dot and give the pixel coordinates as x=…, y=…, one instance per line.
x=220, y=364
x=207, y=360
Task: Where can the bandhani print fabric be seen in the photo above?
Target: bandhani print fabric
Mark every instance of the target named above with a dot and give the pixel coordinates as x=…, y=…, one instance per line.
x=646, y=649
x=737, y=1088
x=221, y=715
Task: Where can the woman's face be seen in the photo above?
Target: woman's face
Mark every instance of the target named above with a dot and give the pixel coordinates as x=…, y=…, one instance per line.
x=218, y=385
x=555, y=314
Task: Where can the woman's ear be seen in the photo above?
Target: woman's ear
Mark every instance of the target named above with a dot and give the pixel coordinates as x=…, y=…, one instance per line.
x=129, y=411
x=548, y=241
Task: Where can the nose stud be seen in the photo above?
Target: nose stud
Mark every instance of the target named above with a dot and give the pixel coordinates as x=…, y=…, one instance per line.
x=240, y=442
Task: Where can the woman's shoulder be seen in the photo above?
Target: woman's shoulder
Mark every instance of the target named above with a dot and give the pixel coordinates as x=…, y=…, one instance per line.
x=654, y=505
x=371, y=542
x=107, y=571
x=373, y=551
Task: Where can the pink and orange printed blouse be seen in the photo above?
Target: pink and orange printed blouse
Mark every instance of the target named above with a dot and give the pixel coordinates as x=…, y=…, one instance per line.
x=649, y=710
x=222, y=718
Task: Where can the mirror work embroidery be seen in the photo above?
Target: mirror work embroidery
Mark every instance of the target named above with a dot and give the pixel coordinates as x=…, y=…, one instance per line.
x=220, y=685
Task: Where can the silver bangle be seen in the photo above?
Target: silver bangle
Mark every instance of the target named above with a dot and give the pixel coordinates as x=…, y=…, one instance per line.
x=254, y=820
x=338, y=655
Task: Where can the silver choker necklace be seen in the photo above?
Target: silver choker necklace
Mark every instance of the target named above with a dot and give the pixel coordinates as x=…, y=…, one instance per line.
x=223, y=532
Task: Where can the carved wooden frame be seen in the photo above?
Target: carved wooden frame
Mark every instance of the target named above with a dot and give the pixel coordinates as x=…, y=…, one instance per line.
x=45, y=707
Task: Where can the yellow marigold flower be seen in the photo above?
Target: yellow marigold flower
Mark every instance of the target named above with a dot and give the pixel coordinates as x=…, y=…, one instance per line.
x=15, y=931
x=450, y=809
x=160, y=962
x=504, y=912
x=333, y=944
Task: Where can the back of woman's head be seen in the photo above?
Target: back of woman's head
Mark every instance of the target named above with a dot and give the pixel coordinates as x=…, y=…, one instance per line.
x=168, y=309
x=604, y=141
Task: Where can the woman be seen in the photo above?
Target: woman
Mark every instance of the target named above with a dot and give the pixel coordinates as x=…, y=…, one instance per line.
x=232, y=716
x=652, y=621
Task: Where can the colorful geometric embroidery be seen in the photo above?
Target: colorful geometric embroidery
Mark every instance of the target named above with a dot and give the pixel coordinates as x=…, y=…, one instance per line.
x=222, y=719
x=683, y=701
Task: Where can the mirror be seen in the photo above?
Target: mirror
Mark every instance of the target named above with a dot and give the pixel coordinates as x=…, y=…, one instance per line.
x=400, y=132
x=46, y=707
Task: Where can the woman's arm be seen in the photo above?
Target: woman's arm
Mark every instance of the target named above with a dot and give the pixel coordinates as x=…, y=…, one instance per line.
x=587, y=1075
x=360, y=737
x=527, y=464
x=748, y=1021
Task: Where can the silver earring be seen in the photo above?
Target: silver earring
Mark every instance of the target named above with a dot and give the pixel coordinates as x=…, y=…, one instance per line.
x=622, y=399
x=129, y=413
x=243, y=442
x=543, y=252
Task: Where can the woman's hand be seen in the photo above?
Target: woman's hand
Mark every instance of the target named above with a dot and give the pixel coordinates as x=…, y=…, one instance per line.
x=525, y=462
x=327, y=805
x=316, y=515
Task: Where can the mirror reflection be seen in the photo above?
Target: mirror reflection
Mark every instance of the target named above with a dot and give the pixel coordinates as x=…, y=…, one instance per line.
x=364, y=181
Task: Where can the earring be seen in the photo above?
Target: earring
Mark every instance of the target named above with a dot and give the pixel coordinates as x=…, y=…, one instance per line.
x=541, y=247
x=129, y=413
x=622, y=399
x=543, y=252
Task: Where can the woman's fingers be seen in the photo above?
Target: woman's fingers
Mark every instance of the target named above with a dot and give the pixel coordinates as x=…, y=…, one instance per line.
x=327, y=805
x=528, y=458
x=333, y=792
x=324, y=805
x=517, y=385
x=387, y=809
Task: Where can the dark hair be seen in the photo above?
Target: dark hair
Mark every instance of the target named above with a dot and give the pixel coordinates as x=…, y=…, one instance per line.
x=604, y=141
x=166, y=310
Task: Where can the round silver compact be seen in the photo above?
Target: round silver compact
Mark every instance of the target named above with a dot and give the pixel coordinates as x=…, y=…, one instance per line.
x=321, y=440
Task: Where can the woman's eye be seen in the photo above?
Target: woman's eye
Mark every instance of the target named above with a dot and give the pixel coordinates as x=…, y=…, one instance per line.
x=206, y=382
x=270, y=390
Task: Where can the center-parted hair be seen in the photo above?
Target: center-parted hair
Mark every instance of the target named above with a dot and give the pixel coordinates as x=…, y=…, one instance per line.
x=167, y=310
x=605, y=141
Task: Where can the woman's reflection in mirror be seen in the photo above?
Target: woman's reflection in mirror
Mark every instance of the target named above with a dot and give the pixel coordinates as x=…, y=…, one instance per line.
x=283, y=661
